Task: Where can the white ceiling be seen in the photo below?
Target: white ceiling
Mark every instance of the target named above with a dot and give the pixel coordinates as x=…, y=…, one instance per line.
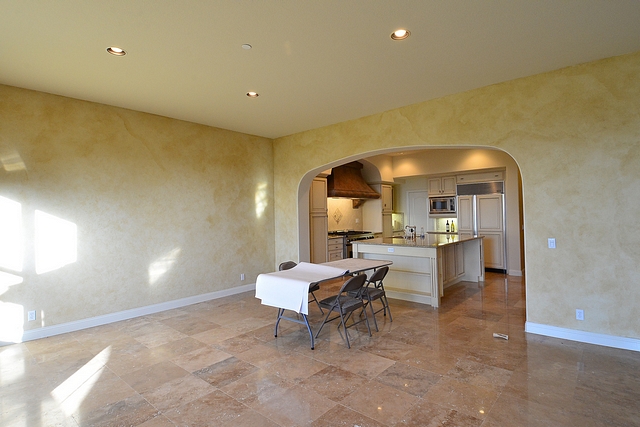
x=313, y=63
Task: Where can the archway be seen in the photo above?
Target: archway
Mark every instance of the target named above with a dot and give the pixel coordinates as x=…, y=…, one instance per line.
x=411, y=162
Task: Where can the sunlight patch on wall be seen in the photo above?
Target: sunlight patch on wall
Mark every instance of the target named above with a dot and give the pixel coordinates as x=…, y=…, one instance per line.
x=163, y=264
x=7, y=280
x=55, y=242
x=12, y=162
x=72, y=392
x=262, y=199
x=11, y=322
x=11, y=242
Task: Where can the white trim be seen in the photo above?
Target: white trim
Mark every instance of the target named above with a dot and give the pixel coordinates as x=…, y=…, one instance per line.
x=406, y=296
x=582, y=336
x=515, y=273
x=63, y=328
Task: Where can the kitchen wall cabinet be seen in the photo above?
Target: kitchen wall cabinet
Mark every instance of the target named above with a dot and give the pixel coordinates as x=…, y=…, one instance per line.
x=442, y=186
x=318, y=220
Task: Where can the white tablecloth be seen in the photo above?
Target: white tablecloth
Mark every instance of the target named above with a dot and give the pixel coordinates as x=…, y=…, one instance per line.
x=289, y=289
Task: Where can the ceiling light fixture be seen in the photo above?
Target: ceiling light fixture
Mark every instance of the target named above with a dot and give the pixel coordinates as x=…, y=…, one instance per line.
x=246, y=46
x=113, y=50
x=253, y=94
x=400, y=34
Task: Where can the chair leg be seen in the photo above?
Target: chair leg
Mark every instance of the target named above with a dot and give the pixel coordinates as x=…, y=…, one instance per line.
x=375, y=322
x=317, y=302
x=344, y=326
x=366, y=319
x=386, y=308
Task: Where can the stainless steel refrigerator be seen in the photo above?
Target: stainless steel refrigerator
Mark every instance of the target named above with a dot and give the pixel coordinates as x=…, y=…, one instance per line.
x=481, y=212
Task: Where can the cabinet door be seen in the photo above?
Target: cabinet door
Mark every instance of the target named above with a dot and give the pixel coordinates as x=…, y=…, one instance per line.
x=465, y=214
x=318, y=196
x=387, y=198
x=459, y=260
x=448, y=186
x=318, y=229
x=434, y=186
x=489, y=212
x=387, y=228
x=493, y=250
x=449, y=263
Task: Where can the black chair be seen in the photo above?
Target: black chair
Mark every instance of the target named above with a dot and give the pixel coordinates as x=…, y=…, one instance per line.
x=288, y=265
x=375, y=291
x=345, y=304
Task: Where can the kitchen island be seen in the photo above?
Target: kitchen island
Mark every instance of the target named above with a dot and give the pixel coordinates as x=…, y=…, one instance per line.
x=423, y=267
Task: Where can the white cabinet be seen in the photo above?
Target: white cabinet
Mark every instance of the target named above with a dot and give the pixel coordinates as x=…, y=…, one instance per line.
x=489, y=212
x=465, y=215
x=493, y=249
x=387, y=198
x=442, y=186
x=387, y=225
x=318, y=220
x=453, y=263
x=482, y=215
x=335, y=248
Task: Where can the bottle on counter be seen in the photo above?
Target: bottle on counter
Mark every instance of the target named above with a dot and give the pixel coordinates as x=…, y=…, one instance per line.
x=422, y=232
x=447, y=227
x=453, y=227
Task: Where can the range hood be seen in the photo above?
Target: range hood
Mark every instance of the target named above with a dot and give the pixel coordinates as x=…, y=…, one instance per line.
x=347, y=181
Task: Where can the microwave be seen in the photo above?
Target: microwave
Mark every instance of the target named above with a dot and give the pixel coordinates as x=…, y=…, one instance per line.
x=442, y=205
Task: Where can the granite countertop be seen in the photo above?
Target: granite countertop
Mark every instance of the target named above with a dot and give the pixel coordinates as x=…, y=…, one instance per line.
x=430, y=241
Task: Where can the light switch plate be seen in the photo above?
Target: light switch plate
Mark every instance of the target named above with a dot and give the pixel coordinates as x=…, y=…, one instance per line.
x=579, y=314
x=31, y=315
x=551, y=242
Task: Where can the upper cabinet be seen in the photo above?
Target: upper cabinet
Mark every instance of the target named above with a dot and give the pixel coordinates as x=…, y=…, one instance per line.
x=442, y=186
x=387, y=198
x=318, y=196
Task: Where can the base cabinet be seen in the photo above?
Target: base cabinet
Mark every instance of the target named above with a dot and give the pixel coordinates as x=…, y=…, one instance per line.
x=336, y=248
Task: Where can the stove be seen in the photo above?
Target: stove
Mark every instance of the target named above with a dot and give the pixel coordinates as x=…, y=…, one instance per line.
x=350, y=236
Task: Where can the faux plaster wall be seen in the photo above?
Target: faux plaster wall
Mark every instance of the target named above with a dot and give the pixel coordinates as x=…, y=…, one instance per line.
x=164, y=209
x=575, y=133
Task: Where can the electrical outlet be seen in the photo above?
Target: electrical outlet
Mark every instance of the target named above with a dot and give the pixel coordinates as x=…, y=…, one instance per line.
x=31, y=315
x=551, y=242
x=241, y=276
x=579, y=314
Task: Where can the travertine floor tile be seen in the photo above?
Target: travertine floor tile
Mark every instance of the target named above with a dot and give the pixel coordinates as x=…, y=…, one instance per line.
x=218, y=363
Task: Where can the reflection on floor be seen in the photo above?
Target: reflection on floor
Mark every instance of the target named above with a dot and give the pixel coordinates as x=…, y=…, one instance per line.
x=218, y=364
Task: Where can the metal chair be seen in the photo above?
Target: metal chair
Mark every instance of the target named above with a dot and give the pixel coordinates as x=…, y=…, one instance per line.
x=345, y=304
x=375, y=291
x=288, y=265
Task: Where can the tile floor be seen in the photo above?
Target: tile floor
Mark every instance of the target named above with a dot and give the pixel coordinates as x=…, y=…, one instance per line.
x=218, y=364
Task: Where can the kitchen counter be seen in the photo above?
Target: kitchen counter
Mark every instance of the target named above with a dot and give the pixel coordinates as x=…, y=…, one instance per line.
x=431, y=240
x=423, y=268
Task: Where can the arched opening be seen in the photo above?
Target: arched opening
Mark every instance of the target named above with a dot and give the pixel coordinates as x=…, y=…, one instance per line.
x=408, y=170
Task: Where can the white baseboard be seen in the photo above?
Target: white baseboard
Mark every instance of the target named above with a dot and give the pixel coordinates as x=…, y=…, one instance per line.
x=77, y=325
x=406, y=296
x=514, y=272
x=582, y=336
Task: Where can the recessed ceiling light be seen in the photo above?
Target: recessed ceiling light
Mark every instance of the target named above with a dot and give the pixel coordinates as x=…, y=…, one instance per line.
x=113, y=50
x=400, y=34
x=253, y=94
x=246, y=46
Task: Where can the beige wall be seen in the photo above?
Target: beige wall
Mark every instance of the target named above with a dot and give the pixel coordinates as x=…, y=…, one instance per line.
x=575, y=134
x=163, y=209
